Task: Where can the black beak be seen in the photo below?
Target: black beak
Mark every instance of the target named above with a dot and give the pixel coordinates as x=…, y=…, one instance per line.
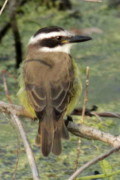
x=77, y=39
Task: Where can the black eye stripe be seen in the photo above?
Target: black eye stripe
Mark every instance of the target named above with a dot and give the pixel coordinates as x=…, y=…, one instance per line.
x=59, y=37
x=53, y=41
x=50, y=43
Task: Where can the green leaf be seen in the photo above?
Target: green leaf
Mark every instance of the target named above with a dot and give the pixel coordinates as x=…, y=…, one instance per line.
x=106, y=168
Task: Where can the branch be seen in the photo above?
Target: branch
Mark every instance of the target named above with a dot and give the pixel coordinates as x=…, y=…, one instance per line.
x=13, y=7
x=87, y=132
x=91, y=112
x=18, y=110
x=86, y=93
x=7, y=26
x=80, y=130
x=28, y=150
x=85, y=101
x=4, y=30
x=93, y=161
x=94, y=0
x=20, y=128
x=6, y=89
x=3, y=7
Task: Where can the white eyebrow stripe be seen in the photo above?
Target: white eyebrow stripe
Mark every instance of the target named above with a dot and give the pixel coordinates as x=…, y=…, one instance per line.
x=65, y=48
x=48, y=35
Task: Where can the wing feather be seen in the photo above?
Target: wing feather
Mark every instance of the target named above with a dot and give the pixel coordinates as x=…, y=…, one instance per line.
x=49, y=93
x=61, y=95
x=36, y=96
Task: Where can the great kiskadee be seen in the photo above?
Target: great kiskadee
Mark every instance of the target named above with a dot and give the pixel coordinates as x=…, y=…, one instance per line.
x=50, y=85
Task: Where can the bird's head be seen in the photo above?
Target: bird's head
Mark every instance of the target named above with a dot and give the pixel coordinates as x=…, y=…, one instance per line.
x=55, y=39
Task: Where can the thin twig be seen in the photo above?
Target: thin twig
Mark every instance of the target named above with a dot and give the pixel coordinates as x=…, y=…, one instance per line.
x=17, y=154
x=77, y=153
x=97, y=116
x=9, y=74
x=90, y=113
x=80, y=130
x=10, y=100
x=28, y=149
x=99, y=176
x=3, y=7
x=108, y=114
x=93, y=161
x=83, y=114
x=23, y=136
x=86, y=93
x=6, y=89
x=94, y=0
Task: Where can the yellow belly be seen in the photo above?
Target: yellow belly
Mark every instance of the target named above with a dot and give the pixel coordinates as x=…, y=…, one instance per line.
x=77, y=88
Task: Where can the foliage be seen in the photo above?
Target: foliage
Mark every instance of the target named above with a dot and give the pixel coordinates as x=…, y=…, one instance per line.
x=114, y=4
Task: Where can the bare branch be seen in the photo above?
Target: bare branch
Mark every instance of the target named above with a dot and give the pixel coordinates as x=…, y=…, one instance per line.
x=4, y=30
x=86, y=92
x=17, y=155
x=93, y=161
x=108, y=114
x=80, y=130
x=83, y=113
x=27, y=146
x=87, y=132
x=13, y=7
x=90, y=113
x=18, y=110
x=20, y=128
x=3, y=7
x=94, y=0
x=6, y=89
x=78, y=151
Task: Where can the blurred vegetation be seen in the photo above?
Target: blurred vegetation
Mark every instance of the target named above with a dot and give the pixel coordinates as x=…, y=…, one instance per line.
x=102, y=54
x=114, y=4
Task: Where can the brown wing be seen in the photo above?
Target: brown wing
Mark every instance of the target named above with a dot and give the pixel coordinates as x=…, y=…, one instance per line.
x=36, y=97
x=49, y=97
x=35, y=75
x=61, y=95
x=61, y=92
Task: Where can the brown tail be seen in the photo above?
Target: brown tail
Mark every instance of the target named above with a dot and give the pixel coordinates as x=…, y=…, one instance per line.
x=49, y=136
x=57, y=147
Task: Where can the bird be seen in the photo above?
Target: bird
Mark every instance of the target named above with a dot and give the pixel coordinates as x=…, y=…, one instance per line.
x=50, y=85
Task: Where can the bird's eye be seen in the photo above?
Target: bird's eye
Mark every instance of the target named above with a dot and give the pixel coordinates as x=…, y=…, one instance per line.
x=59, y=38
